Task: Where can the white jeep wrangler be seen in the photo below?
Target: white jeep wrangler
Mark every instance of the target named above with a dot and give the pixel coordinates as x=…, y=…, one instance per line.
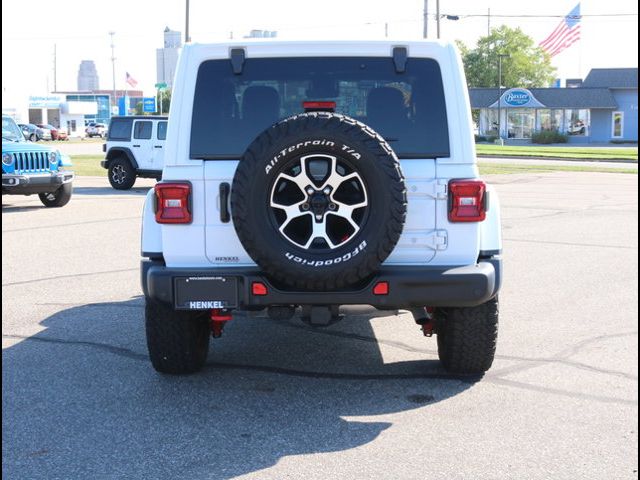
x=310, y=175
x=134, y=148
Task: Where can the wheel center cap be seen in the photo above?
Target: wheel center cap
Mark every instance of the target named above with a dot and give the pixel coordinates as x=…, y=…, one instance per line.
x=319, y=203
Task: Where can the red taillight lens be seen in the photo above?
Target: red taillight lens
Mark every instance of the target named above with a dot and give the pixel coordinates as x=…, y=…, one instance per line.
x=172, y=202
x=467, y=201
x=381, y=288
x=259, y=289
x=319, y=106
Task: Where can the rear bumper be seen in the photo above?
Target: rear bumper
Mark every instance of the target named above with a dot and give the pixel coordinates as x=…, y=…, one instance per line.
x=26, y=184
x=437, y=286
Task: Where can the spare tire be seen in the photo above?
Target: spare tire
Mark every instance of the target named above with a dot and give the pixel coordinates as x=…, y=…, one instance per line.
x=318, y=201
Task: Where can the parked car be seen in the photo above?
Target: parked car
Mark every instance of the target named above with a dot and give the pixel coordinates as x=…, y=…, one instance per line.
x=356, y=186
x=32, y=132
x=62, y=134
x=134, y=148
x=96, y=130
x=53, y=131
x=576, y=128
x=29, y=169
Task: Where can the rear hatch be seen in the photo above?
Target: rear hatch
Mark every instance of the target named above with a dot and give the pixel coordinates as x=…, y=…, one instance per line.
x=406, y=107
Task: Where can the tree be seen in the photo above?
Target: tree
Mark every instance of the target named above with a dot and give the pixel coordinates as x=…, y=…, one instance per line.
x=163, y=96
x=527, y=65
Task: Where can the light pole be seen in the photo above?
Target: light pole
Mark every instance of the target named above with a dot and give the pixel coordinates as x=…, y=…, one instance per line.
x=500, y=57
x=425, y=19
x=113, y=68
x=186, y=29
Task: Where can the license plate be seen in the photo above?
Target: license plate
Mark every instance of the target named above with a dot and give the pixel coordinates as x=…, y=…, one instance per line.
x=206, y=293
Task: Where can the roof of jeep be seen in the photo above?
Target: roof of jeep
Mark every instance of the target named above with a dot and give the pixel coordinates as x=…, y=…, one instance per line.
x=317, y=47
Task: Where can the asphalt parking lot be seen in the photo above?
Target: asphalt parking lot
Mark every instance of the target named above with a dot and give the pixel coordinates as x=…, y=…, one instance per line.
x=365, y=398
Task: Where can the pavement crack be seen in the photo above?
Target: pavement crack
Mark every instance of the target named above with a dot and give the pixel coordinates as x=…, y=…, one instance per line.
x=120, y=351
x=557, y=391
x=62, y=225
x=73, y=275
x=569, y=244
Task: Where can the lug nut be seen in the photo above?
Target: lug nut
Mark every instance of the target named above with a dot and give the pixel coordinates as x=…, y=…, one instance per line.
x=327, y=191
x=310, y=191
x=332, y=206
x=305, y=206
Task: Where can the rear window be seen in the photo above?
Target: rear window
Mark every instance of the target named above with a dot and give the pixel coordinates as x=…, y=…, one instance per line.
x=407, y=109
x=120, y=129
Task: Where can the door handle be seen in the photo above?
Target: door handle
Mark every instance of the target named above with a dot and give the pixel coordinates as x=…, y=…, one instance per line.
x=135, y=145
x=157, y=146
x=224, y=190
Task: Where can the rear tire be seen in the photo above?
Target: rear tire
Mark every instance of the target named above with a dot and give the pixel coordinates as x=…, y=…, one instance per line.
x=467, y=337
x=59, y=198
x=178, y=341
x=33, y=137
x=121, y=174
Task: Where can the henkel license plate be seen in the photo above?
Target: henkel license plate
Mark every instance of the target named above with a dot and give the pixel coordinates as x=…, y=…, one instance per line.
x=206, y=293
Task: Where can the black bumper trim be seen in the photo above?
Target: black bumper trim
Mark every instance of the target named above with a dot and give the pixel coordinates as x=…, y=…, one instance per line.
x=437, y=286
x=27, y=184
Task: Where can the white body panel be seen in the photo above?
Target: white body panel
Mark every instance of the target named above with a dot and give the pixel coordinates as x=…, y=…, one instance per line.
x=148, y=153
x=428, y=237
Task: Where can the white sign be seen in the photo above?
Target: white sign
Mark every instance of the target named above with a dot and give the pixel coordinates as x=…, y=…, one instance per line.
x=45, y=101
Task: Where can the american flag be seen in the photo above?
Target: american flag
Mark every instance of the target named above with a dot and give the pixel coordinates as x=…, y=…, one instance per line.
x=566, y=34
x=131, y=81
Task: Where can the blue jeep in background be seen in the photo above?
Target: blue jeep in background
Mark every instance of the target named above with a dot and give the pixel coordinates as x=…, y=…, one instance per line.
x=28, y=168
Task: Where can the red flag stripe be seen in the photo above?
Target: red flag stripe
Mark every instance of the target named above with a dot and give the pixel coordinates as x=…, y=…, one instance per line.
x=570, y=40
x=553, y=34
x=557, y=38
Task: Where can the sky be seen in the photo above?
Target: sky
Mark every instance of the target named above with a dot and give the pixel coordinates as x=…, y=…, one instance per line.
x=79, y=30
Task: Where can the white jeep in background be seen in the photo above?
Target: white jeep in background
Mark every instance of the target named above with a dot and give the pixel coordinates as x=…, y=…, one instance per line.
x=134, y=148
x=303, y=176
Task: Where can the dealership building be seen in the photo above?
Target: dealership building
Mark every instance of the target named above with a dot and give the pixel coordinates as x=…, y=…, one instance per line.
x=602, y=108
x=73, y=110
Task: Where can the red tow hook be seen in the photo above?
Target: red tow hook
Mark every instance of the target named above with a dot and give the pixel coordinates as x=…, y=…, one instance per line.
x=218, y=318
x=428, y=325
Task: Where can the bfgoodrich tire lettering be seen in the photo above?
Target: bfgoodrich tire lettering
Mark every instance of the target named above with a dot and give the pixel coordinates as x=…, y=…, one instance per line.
x=347, y=193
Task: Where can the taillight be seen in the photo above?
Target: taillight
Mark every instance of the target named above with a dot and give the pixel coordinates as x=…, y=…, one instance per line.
x=467, y=200
x=172, y=202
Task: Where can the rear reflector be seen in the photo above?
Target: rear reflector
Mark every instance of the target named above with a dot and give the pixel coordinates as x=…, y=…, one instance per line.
x=467, y=201
x=172, y=202
x=316, y=106
x=381, y=288
x=259, y=289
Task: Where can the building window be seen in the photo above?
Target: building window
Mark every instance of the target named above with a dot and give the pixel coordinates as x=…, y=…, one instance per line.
x=520, y=122
x=549, y=120
x=617, y=124
x=577, y=122
x=488, y=122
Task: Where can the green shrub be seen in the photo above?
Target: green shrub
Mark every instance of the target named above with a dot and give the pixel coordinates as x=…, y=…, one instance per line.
x=549, y=136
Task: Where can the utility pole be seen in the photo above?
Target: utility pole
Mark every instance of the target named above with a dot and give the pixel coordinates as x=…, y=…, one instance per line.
x=113, y=68
x=186, y=29
x=55, y=69
x=500, y=57
x=438, y=19
x=488, y=22
x=425, y=19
